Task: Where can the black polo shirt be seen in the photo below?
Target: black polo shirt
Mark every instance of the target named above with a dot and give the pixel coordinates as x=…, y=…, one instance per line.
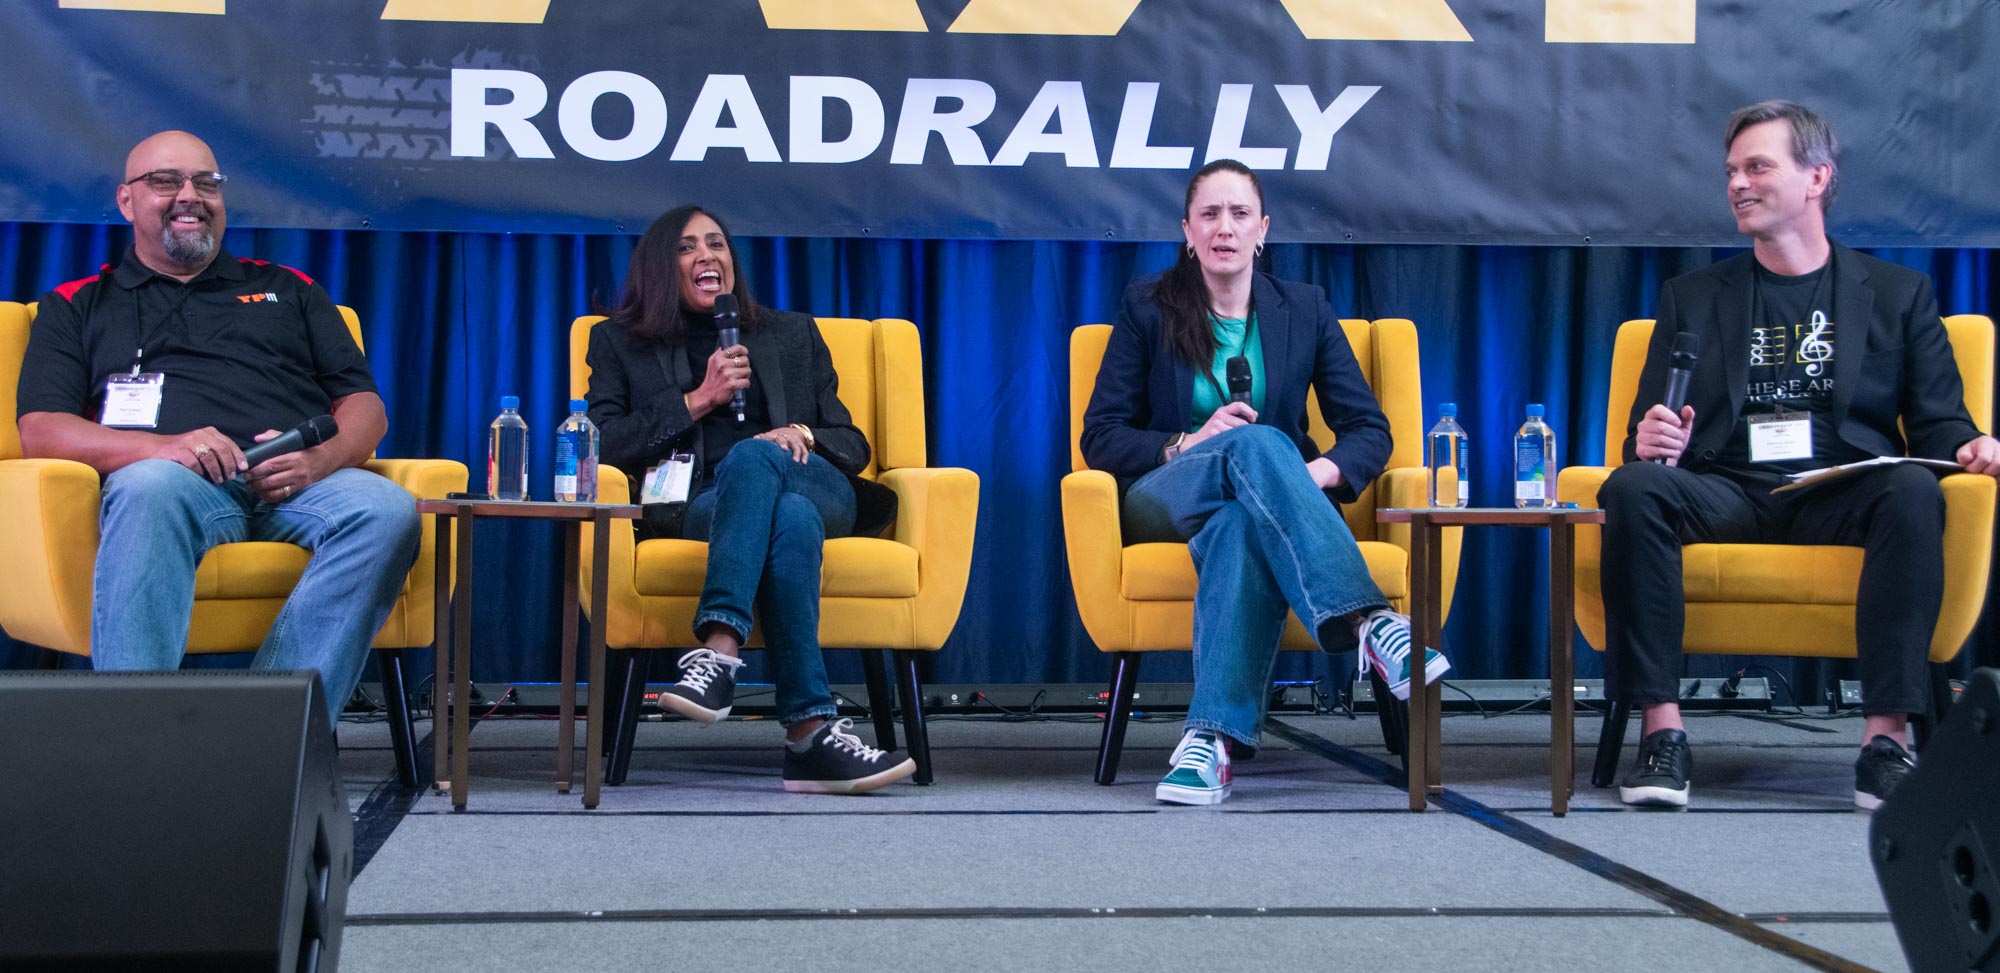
x=245, y=346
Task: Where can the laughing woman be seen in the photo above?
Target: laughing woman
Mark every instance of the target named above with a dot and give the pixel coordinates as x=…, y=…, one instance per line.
x=1240, y=482
x=771, y=486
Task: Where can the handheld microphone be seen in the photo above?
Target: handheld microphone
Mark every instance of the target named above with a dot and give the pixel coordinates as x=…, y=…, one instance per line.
x=727, y=316
x=1680, y=368
x=309, y=433
x=1238, y=369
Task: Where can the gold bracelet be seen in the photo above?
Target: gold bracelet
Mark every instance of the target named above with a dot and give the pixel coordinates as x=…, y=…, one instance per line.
x=807, y=432
x=687, y=402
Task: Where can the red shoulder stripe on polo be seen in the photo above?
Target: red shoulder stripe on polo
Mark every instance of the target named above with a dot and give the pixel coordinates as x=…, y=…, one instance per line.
x=68, y=291
x=300, y=274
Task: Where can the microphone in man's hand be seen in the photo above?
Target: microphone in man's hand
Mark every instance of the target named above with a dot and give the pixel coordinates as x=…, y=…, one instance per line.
x=727, y=318
x=309, y=433
x=1680, y=368
x=1238, y=369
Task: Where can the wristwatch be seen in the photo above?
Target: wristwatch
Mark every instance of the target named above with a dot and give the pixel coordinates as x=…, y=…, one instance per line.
x=1173, y=447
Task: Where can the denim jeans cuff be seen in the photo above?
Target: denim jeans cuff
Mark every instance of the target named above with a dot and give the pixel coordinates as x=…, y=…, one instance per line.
x=824, y=711
x=737, y=624
x=1248, y=739
x=1346, y=640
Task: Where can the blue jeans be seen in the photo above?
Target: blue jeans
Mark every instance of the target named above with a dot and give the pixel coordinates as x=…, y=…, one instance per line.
x=1263, y=538
x=159, y=518
x=765, y=521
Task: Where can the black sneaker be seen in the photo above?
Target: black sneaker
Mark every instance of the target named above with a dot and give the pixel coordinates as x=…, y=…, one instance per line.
x=707, y=686
x=837, y=762
x=1882, y=765
x=1660, y=779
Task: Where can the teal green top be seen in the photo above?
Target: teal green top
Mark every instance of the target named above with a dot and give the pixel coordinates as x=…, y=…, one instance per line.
x=1232, y=338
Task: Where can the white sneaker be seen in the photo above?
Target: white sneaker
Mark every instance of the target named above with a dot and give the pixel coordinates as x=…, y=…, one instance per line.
x=1201, y=770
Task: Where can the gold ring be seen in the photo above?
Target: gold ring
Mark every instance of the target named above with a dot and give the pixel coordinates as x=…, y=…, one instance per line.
x=201, y=449
x=288, y=492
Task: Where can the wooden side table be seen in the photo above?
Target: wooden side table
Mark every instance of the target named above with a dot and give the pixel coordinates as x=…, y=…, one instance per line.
x=454, y=628
x=1427, y=631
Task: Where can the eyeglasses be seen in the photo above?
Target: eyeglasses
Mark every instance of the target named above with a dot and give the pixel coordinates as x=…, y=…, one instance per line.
x=167, y=182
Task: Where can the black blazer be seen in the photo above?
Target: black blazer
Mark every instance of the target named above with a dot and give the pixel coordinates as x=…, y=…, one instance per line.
x=1893, y=359
x=635, y=400
x=1144, y=392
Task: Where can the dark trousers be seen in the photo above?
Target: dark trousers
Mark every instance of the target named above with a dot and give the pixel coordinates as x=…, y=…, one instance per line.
x=1895, y=514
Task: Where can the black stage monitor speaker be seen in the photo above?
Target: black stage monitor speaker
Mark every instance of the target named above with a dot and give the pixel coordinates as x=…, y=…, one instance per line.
x=184, y=820
x=1935, y=841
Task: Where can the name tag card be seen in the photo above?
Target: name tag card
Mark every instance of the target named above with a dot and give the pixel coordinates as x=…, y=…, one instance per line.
x=669, y=482
x=1780, y=436
x=133, y=401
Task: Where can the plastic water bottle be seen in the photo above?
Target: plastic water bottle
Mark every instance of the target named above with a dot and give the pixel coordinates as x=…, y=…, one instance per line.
x=1535, y=462
x=1445, y=460
x=507, y=453
x=576, y=456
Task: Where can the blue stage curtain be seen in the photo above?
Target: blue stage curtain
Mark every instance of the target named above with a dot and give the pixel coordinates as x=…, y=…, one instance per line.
x=453, y=321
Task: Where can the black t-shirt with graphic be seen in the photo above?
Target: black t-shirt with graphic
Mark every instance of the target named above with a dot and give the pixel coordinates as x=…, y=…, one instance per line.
x=1792, y=354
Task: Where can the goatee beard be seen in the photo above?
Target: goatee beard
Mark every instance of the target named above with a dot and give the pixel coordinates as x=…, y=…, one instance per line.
x=188, y=247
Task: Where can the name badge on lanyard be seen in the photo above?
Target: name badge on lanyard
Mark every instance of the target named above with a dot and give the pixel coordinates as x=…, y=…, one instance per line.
x=1780, y=436
x=668, y=482
x=132, y=400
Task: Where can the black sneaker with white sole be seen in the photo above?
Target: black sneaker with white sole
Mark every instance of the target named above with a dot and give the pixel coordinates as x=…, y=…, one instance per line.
x=837, y=762
x=1660, y=779
x=1881, y=767
x=707, y=686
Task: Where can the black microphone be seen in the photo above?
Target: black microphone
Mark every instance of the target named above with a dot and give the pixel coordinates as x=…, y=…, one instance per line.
x=309, y=433
x=727, y=315
x=1680, y=368
x=1239, y=378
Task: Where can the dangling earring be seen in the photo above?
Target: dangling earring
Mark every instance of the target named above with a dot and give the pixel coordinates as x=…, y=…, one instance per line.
x=1260, y=248
x=1190, y=250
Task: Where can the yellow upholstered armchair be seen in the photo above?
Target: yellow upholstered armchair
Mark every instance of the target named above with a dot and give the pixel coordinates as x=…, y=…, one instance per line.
x=1140, y=598
x=901, y=591
x=48, y=526
x=1748, y=599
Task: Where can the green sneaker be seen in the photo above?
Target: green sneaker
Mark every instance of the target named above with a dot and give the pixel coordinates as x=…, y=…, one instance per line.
x=1385, y=644
x=1201, y=771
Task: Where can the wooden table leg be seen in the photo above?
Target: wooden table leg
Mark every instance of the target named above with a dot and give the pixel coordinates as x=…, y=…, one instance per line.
x=1562, y=664
x=1417, y=749
x=1434, y=638
x=441, y=651
x=461, y=662
x=566, y=707
x=600, y=570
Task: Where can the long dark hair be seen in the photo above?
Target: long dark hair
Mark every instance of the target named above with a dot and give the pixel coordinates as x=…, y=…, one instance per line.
x=650, y=302
x=1182, y=293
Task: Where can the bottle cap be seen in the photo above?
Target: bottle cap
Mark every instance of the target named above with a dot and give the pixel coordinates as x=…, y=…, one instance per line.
x=1535, y=410
x=579, y=405
x=510, y=402
x=1447, y=408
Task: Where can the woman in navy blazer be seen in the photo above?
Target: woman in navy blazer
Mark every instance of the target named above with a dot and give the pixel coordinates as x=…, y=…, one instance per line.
x=1225, y=465
x=776, y=479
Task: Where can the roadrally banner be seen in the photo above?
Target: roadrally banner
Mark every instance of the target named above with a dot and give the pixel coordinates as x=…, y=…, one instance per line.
x=1556, y=122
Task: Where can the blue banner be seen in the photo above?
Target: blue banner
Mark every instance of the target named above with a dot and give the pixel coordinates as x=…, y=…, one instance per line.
x=1423, y=121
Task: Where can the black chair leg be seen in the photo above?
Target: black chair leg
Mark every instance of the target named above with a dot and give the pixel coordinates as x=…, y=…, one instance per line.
x=911, y=688
x=396, y=699
x=880, y=705
x=1124, y=679
x=1610, y=744
x=1394, y=715
x=632, y=695
x=614, y=701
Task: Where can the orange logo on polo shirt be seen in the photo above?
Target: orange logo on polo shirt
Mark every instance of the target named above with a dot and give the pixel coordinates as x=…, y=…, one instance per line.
x=257, y=298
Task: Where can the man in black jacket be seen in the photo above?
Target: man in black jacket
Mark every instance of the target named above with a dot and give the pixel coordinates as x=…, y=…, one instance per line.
x=1811, y=354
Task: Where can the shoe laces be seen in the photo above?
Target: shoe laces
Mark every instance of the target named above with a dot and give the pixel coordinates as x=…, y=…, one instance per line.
x=699, y=667
x=1198, y=751
x=1660, y=754
x=838, y=737
x=1385, y=634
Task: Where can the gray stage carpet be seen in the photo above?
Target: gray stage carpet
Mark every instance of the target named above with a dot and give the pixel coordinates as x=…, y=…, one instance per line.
x=1016, y=860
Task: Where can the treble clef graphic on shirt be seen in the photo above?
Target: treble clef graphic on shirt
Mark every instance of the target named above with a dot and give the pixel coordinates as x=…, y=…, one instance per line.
x=1816, y=351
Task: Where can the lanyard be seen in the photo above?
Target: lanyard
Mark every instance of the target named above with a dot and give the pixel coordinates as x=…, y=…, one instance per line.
x=145, y=335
